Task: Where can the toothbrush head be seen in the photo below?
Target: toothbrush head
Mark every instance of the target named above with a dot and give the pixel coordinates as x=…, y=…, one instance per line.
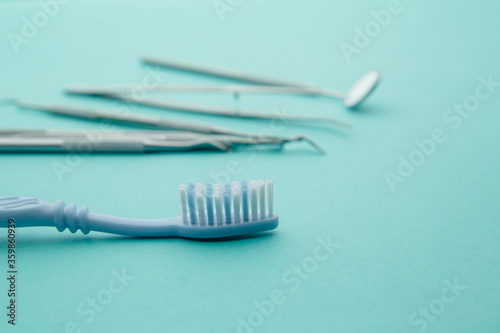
x=215, y=211
x=360, y=90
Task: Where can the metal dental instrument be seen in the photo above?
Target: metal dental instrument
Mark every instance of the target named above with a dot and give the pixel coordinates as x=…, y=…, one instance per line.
x=227, y=88
x=220, y=72
x=211, y=135
x=157, y=123
x=358, y=92
x=106, y=145
x=129, y=141
x=198, y=108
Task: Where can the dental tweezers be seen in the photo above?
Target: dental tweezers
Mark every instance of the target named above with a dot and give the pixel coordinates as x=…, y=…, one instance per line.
x=89, y=141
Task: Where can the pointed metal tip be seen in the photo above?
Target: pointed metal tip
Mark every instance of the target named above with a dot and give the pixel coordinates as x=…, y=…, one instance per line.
x=219, y=145
x=310, y=141
x=340, y=123
x=29, y=105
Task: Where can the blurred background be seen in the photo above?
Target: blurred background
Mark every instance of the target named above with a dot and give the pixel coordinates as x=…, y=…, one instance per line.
x=408, y=195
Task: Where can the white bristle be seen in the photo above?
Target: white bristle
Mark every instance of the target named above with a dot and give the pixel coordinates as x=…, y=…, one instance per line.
x=218, y=203
x=236, y=201
x=262, y=199
x=269, y=184
x=254, y=198
x=200, y=203
x=182, y=195
x=235, y=185
x=196, y=202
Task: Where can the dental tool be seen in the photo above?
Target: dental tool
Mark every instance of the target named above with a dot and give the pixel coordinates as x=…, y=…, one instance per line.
x=132, y=141
x=105, y=145
x=197, y=108
x=158, y=123
x=220, y=72
x=227, y=88
x=356, y=94
x=136, y=120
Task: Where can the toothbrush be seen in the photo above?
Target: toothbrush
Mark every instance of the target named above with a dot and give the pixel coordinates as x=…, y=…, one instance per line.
x=206, y=212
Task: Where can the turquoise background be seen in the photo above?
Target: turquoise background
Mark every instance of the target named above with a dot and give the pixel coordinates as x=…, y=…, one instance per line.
x=396, y=250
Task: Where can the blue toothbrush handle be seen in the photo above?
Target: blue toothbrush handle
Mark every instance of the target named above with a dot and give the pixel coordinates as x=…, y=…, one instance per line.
x=32, y=212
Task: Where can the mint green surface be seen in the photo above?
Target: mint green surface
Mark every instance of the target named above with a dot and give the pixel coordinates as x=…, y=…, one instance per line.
x=396, y=251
